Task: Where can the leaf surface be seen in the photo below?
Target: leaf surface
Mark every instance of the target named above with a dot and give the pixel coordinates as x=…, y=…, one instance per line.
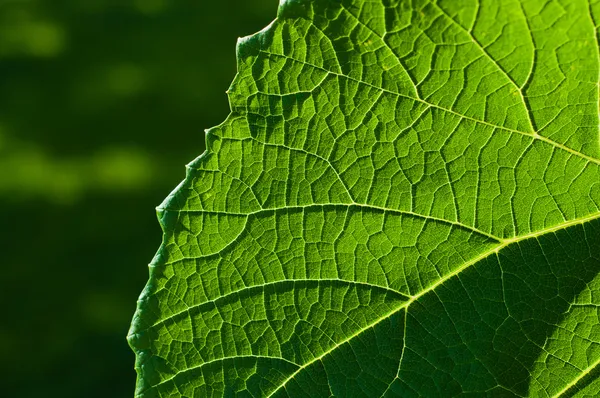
x=404, y=201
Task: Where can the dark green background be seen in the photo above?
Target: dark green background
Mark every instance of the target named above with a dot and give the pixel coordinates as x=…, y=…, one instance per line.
x=102, y=103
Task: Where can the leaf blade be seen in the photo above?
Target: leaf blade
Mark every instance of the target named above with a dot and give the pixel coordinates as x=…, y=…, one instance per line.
x=364, y=174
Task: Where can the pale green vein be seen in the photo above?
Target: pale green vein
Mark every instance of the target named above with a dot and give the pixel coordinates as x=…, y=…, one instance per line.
x=574, y=382
x=381, y=39
x=262, y=286
x=440, y=282
x=401, y=354
x=484, y=51
x=218, y=360
x=595, y=26
x=534, y=135
x=348, y=206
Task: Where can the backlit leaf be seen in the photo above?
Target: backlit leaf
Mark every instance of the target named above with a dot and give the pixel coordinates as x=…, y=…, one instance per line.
x=404, y=201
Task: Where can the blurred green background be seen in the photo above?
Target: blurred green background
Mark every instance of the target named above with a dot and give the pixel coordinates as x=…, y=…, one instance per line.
x=102, y=103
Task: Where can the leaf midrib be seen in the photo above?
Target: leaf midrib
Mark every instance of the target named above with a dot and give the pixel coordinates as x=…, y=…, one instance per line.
x=441, y=281
x=410, y=299
x=574, y=382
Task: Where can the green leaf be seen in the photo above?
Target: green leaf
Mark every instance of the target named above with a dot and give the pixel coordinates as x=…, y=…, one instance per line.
x=404, y=201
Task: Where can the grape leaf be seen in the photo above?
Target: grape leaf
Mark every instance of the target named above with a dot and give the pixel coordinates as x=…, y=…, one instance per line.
x=404, y=201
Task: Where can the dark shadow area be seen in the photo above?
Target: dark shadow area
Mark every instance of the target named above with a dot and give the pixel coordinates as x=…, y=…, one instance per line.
x=488, y=326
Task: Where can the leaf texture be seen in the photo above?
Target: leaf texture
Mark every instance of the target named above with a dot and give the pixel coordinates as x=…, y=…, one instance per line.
x=403, y=202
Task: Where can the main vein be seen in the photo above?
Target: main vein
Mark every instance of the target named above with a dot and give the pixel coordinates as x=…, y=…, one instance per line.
x=441, y=281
